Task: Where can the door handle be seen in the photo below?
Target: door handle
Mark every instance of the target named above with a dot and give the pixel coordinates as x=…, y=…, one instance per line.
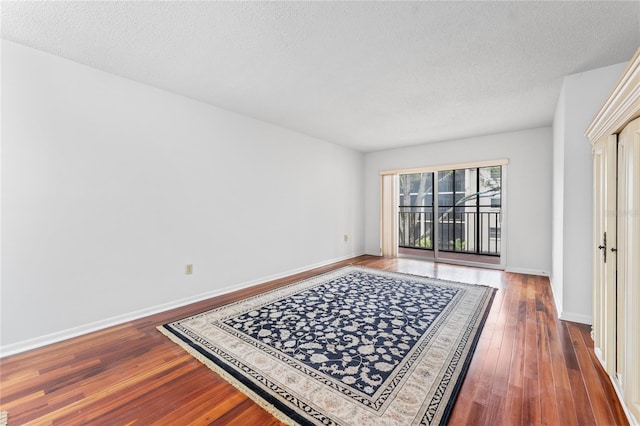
x=603, y=247
x=613, y=249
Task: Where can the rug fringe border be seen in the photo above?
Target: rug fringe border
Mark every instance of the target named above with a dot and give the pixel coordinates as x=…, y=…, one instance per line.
x=229, y=378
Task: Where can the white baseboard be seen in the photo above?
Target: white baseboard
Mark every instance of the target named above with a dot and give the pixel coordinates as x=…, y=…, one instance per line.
x=569, y=316
x=555, y=298
x=598, y=353
x=40, y=341
x=573, y=317
x=632, y=420
x=616, y=387
x=527, y=271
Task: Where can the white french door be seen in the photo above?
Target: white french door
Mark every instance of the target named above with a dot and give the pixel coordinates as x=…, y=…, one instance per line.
x=616, y=297
x=604, y=265
x=627, y=255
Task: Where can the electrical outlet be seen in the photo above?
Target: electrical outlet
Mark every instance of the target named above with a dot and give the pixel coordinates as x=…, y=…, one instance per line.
x=346, y=237
x=188, y=269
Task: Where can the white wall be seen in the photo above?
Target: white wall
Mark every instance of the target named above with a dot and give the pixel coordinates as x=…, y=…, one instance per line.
x=528, y=221
x=584, y=95
x=110, y=187
x=557, y=243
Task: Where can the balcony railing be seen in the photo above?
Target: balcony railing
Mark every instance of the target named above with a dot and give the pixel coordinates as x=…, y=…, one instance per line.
x=461, y=229
x=416, y=227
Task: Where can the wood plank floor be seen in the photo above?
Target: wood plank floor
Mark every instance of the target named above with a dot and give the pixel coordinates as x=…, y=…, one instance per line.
x=529, y=368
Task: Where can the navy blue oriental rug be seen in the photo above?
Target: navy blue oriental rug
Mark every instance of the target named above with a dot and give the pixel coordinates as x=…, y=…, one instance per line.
x=355, y=346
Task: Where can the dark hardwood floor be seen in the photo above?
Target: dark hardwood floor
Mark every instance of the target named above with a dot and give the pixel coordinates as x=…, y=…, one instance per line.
x=529, y=368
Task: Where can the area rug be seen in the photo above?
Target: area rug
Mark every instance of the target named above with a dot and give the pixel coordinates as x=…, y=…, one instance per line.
x=355, y=346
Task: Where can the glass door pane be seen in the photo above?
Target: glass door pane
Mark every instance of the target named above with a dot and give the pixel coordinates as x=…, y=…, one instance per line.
x=490, y=208
x=416, y=211
x=457, y=209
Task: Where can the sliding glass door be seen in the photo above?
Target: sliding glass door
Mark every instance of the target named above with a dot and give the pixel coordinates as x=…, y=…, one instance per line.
x=468, y=222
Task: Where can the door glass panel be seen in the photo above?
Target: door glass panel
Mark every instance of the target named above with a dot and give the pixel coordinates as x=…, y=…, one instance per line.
x=416, y=211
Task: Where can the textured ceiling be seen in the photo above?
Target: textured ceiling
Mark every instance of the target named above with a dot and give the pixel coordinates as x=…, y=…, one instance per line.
x=369, y=75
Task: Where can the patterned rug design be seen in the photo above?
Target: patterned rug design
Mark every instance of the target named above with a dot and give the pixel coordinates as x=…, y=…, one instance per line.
x=351, y=347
